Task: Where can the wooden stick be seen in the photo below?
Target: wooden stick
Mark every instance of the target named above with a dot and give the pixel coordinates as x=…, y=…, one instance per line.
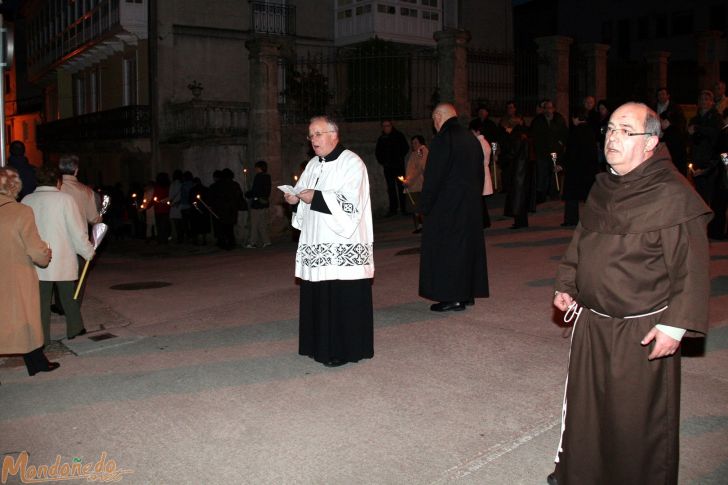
x=80, y=280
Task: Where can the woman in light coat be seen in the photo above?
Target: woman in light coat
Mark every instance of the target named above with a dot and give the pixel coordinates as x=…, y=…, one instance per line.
x=20, y=327
x=59, y=222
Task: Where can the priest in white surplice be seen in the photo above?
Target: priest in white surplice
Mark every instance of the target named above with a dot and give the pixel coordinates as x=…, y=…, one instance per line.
x=335, y=258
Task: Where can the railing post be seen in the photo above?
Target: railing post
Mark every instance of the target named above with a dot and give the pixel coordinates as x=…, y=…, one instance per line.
x=452, y=54
x=265, y=123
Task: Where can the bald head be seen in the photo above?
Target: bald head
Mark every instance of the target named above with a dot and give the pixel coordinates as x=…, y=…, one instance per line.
x=442, y=113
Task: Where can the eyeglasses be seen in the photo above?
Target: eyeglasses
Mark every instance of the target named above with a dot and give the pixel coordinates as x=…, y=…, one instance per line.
x=607, y=130
x=317, y=134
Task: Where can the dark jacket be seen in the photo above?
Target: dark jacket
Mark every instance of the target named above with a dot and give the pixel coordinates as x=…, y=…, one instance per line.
x=549, y=137
x=26, y=171
x=391, y=151
x=260, y=191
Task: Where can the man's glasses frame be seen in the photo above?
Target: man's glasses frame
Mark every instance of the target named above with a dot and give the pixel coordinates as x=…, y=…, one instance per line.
x=318, y=134
x=606, y=131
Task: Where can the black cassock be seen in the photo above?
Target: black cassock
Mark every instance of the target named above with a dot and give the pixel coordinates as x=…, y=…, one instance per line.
x=452, y=260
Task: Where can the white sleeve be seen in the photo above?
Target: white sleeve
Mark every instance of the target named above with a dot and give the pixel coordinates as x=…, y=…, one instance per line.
x=673, y=332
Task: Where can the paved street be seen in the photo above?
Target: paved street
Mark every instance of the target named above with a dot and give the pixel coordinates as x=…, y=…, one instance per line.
x=197, y=379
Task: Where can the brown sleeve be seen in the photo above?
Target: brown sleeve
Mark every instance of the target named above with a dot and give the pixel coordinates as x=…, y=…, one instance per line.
x=566, y=275
x=687, y=259
x=35, y=248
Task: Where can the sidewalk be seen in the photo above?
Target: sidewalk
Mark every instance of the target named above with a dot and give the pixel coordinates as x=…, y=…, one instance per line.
x=200, y=382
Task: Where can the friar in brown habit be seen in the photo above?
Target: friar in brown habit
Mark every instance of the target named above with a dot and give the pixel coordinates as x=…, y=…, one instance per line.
x=635, y=279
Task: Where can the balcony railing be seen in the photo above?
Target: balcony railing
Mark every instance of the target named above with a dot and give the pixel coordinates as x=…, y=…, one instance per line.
x=274, y=19
x=198, y=119
x=114, y=124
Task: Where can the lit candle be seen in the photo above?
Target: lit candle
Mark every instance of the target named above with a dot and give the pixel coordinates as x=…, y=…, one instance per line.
x=295, y=178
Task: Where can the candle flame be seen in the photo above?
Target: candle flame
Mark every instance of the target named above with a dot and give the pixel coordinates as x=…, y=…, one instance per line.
x=134, y=196
x=155, y=199
x=295, y=177
x=198, y=196
x=400, y=178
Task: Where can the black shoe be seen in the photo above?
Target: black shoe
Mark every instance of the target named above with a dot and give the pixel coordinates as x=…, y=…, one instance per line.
x=448, y=306
x=82, y=332
x=551, y=479
x=417, y=231
x=50, y=368
x=334, y=363
x=470, y=302
x=57, y=309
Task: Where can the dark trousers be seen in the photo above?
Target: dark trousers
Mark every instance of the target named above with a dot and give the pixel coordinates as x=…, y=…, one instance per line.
x=180, y=229
x=226, y=235
x=74, y=321
x=486, y=214
x=164, y=227
x=395, y=191
x=35, y=361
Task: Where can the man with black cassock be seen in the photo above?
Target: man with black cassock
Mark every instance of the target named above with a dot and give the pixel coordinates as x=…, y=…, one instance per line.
x=453, y=268
x=636, y=279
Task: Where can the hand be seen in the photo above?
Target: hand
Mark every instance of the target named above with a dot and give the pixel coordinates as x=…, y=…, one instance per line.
x=665, y=345
x=306, y=195
x=562, y=301
x=291, y=199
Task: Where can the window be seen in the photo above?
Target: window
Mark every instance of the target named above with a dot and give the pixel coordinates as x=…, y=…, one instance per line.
x=386, y=9
x=660, y=26
x=682, y=22
x=718, y=17
x=429, y=3
x=130, y=81
x=607, y=31
x=365, y=9
x=643, y=28
x=430, y=15
x=408, y=12
x=623, y=38
x=344, y=14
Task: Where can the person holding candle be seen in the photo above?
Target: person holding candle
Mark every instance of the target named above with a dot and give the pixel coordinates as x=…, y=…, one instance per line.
x=634, y=280
x=59, y=222
x=415, y=170
x=21, y=331
x=335, y=256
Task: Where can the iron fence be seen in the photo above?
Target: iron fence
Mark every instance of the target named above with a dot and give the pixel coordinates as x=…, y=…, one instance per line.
x=359, y=86
x=379, y=80
x=126, y=122
x=490, y=79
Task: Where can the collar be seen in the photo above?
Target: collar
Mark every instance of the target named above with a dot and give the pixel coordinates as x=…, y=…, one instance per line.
x=46, y=188
x=69, y=177
x=338, y=150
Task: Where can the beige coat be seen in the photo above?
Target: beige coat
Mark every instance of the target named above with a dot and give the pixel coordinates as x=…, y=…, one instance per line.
x=60, y=223
x=20, y=328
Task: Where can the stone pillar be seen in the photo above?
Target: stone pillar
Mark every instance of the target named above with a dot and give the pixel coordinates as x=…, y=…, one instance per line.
x=553, y=71
x=656, y=73
x=596, y=69
x=264, y=132
x=452, y=58
x=708, y=46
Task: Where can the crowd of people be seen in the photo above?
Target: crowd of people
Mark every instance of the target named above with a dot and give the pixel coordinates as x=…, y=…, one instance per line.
x=185, y=211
